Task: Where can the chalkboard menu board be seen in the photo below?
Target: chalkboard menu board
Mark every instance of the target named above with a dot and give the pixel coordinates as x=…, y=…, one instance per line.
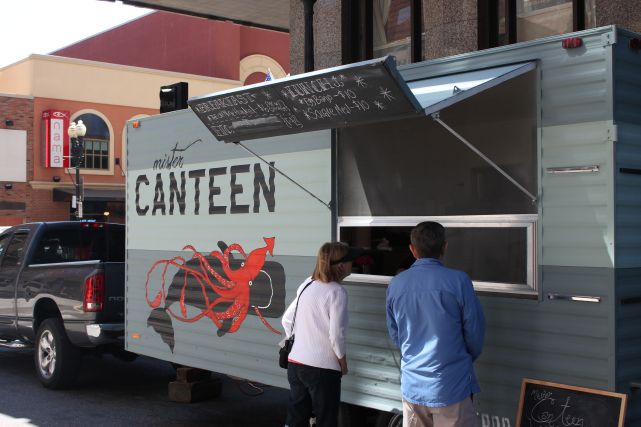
x=545, y=404
x=343, y=96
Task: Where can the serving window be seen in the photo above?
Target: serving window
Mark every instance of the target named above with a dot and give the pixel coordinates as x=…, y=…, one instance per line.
x=497, y=252
x=391, y=176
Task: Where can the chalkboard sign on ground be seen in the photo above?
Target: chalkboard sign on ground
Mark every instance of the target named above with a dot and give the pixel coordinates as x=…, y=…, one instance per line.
x=358, y=93
x=546, y=404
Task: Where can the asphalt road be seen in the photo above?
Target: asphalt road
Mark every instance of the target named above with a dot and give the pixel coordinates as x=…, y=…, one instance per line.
x=110, y=392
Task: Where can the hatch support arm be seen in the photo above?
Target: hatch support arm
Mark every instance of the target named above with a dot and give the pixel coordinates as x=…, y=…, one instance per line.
x=275, y=169
x=436, y=117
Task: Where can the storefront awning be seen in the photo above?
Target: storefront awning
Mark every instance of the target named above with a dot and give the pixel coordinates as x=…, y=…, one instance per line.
x=437, y=93
x=65, y=195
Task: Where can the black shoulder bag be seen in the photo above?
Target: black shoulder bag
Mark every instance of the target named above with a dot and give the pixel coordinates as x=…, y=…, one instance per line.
x=283, y=352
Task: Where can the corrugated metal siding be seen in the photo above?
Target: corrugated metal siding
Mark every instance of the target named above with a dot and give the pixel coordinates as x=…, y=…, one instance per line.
x=627, y=98
x=559, y=341
x=628, y=339
x=576, y=221
x=575, y=83
x=566, y=342
x=299, y=224
x=374, y=362
x=627, y=109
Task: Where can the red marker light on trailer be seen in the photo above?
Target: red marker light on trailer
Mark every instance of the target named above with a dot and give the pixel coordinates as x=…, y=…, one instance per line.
x=635, y=43
x=572, y=43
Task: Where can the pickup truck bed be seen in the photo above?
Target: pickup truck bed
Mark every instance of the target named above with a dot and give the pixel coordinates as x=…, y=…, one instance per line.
x=61, y=290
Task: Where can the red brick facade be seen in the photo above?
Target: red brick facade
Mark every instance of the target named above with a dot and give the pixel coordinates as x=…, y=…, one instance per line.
x=15, y=201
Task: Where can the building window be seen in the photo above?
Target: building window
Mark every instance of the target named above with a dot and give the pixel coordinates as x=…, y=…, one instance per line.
x=496, y=251
x=96, y=142
x=503, y=22
x=377, y=28
x=536, y=19
x=590, y=13
x=392, y=29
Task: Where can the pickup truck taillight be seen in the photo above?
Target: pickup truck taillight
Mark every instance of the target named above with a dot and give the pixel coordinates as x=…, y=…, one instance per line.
x=94, y=293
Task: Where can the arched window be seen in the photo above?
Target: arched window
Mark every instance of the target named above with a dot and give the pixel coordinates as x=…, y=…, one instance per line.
x=96, y=141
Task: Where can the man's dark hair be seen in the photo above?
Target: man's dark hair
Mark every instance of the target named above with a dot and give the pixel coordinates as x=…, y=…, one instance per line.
x=428, y=239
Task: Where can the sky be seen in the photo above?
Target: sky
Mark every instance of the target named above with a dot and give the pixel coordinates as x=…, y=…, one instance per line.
x=41, y=26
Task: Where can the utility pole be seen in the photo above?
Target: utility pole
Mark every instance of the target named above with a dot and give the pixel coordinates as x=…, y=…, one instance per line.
x=76, y=132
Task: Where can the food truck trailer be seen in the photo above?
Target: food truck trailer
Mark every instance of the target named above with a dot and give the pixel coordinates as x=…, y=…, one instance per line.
x=528, y=154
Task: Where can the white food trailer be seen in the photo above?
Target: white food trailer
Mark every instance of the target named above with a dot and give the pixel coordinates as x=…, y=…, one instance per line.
x=529, y=154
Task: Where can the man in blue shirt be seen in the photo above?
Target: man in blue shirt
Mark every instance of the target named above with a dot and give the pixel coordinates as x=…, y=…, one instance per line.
x=435, y=318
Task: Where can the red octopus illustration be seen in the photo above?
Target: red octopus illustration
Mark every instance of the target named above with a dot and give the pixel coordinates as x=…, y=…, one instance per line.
x=231, y=294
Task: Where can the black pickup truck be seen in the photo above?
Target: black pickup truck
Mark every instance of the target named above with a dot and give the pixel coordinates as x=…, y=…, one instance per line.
x=62, y=292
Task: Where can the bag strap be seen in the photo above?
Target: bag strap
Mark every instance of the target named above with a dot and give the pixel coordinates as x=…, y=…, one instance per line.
x=296, y=309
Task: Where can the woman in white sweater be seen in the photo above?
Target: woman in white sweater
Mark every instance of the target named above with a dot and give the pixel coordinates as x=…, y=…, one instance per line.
x=317, y=360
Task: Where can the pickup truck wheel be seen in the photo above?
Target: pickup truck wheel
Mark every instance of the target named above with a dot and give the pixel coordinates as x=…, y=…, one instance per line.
x=55, y=357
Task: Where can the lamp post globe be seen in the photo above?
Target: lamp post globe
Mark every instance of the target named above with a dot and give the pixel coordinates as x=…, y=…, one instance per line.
x=81, y=129
x=71, y=131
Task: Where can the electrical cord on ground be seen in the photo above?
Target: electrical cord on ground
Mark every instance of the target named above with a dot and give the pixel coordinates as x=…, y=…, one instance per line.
x=260, y=389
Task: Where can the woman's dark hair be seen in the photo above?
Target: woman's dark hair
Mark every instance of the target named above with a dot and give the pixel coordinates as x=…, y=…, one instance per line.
x=428, y=239
x=325, y=271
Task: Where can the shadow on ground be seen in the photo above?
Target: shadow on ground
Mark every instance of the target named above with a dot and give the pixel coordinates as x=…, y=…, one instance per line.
x=110, y=392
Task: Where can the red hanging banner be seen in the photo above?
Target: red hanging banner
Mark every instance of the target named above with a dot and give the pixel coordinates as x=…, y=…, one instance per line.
x=55, y=138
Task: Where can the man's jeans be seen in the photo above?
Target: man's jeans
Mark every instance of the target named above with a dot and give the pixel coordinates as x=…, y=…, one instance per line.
x=314, y=391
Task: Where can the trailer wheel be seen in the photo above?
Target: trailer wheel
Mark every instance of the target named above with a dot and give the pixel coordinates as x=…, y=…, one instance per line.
x=350, y=415
x=389, y=419
x=55, y=357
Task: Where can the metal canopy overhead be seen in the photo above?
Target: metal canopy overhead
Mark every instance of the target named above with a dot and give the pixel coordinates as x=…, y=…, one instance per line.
x=271, y=14
x=437, y=93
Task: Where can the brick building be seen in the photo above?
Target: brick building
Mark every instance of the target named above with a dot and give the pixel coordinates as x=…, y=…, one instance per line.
x=16, y=139
x=105, y=81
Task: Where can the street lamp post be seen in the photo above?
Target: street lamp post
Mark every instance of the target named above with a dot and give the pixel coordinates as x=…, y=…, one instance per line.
x=76, y=132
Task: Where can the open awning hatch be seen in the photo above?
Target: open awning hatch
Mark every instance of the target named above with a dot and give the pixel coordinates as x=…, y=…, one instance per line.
x=435, y=94
x=350, y=95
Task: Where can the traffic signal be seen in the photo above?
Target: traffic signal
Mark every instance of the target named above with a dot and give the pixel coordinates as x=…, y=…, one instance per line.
x=173, y=97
